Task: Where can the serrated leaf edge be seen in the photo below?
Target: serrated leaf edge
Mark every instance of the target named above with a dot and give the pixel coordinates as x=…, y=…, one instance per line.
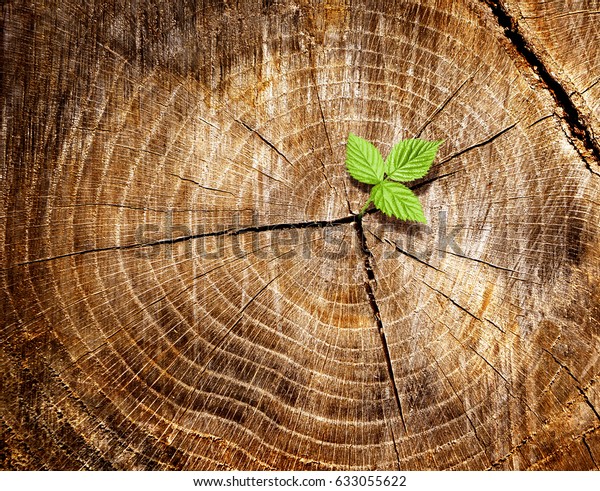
x=368, y=164
x=372, y=199
x=438, y=143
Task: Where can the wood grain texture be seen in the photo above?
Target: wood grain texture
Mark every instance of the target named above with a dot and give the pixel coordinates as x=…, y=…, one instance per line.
x=565, y=36
x=252, y=322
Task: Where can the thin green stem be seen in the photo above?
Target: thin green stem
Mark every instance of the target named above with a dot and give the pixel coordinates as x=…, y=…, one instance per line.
x=364, y=208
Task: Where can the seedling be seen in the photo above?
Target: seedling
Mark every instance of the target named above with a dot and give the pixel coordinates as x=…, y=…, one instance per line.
x=409, y=160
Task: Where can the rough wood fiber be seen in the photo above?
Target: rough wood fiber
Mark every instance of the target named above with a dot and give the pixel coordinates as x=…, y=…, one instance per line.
x=336, y=345
x=564, y=36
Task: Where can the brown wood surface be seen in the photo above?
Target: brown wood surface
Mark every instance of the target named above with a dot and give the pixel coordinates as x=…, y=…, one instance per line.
x=212, y=341
x=565, y=34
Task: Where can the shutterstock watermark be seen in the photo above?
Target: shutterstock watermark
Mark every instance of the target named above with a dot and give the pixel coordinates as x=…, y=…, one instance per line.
x=327, y=240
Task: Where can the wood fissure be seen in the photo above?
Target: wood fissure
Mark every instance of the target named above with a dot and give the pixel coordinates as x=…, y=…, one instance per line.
x=265, y=140
x=578, y=385
x=589, y=450
x=571, y=113
x=370, y=274
x=231, y=232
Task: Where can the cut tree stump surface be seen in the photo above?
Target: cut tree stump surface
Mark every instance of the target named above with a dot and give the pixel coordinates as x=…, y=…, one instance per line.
x=185, y=283
x=565, y=36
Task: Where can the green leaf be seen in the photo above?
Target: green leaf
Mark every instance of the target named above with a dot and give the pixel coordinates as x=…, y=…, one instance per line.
x=363, y=160
x=394, y=199
x=411, y=159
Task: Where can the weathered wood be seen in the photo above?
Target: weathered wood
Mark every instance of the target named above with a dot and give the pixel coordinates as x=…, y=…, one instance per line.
x=332, y=345
x=564, y=36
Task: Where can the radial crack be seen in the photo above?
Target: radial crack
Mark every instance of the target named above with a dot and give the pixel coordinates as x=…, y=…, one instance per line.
x=572, y=115
x=211, y=355
x=485, y=360
x=314, y=81
x=488, y=140
x=228, y=232
x=273, y=147
x=442, y=106
x=596, y=82
x=481, y=261
x=454, y=302
x=506, y=456
x=585, y=443
x=200, y=185
x=406, y=253
x=482, y=143
x=506, y=381
x=376, y=313
x=429, y=181
x=576, y=380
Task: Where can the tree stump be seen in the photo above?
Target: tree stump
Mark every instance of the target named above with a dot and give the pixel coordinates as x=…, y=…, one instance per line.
x=185, y=281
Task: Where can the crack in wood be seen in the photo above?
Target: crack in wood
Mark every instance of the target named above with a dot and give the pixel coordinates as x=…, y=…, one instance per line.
x=562, y=448
x=587, y=446
x=572, y=116
x=485, y=360
x=531, y=437
x=507, y=382
x=506, y=456
x=481, y=261
x=377, y=314
x=429, y=181
x=442, y=106
x=539, y=120
x=593, y=84
x=173, y=293
x=228, y=232
x=144, y=208
x=269, y=144
x=406, y=253
x=316, y=87
x=326, y=133
x=187, y=179
x=577, y=149
x=482, y=143
x=346, y=196
x=262, y=173
x=211, y=355
x=499, y=328
x=576, y=380
x=454, y=302
x=325, y=130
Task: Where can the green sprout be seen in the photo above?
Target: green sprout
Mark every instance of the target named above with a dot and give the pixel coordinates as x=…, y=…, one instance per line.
x=409, y=160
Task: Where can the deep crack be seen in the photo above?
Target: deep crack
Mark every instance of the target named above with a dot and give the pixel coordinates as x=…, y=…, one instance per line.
x=589, y=450
x=184, y=238
x=376, y=313
x=487, y=141
x=572, y=115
